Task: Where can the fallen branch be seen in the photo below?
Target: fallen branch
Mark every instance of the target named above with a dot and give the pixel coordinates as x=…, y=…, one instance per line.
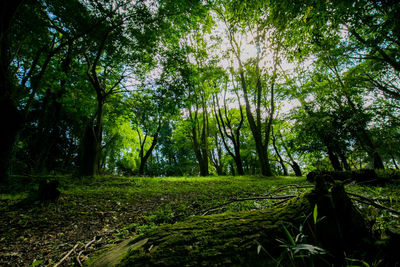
x=266, y=196
x=244, y=199
x=368, y=201
x=66, y=256
x=90, y=242
x=84, y=249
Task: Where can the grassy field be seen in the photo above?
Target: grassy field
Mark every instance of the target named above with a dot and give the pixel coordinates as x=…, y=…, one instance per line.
x=94, y=212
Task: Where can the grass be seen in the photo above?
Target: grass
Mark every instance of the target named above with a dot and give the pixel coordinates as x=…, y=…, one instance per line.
x=118, y=207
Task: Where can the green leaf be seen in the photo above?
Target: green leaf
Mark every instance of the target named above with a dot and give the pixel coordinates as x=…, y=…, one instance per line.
x=358, y=261
x=314, y=250
x=289, y=236
x=258, y=249
x=37, y=262
x=315, y=213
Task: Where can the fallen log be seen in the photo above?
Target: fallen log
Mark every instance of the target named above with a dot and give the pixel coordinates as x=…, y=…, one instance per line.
x=323, y=218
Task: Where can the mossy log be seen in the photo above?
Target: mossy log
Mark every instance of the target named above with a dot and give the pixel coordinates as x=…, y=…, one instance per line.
x=234, y=238
x=364, y=176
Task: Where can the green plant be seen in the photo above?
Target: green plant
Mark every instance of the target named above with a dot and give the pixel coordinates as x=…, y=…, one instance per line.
x=297, y=248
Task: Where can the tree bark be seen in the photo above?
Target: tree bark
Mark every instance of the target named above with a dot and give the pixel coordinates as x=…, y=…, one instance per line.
x=143, y=159
x=334, y=160
x=223, y=122
x=296, y=168
x=12, y=118
x=394, y=162
x=285, y=172
x=255, y=120
x=343, y=159
x=91, y=148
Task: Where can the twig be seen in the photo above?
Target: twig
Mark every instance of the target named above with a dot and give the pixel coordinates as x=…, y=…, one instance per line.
x=266, y=196
x=66, y=256
x=83, y=250
x=366, y=200
x=78, y=260
x=90, y=242
x=244, y=199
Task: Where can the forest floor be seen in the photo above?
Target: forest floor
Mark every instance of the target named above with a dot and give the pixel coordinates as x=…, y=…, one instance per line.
x=94, y=213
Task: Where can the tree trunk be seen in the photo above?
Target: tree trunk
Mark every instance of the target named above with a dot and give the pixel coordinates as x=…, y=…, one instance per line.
x=263, y=160
x=370, y=148
x=296, y=168
x=378, y=162
x=143, y=159
x=394, y=162
x=334, y=160
x=234, y=134
x=219, y=169
x=203, y=164
x=256, y=127
x=345, y=164
x=88, y=153
x=91, y=145
x=239, y=165
x=12, y=120
x=285, y=172
x=232, y=169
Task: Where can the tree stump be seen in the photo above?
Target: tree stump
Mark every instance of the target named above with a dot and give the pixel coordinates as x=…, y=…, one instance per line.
x=48, y=191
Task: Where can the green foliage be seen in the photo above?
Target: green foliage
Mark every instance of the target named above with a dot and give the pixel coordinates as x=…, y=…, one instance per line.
x=166, y=66
x=315, y=213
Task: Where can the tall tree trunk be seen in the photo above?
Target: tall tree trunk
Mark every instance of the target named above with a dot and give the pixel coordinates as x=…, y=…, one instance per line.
x=256, y=131
x=91, y=145
x=203, y=165
x=334, y=160
x=255, y=120
x=343, y=159
x=145, y=157
x=296, y=168
x=394, y=162
x=50, y=119
x=378, y=162
x=232, y=169
x=99, y=137
x=370, y=148
x=293, y=163
x=239, y=164
x=12, y=119
x=285, y=172
x=88, y=151
x=234, y=134
x=202, y=158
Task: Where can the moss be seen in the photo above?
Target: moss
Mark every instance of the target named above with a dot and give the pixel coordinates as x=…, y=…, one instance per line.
x=233, y=238
x=211, y=240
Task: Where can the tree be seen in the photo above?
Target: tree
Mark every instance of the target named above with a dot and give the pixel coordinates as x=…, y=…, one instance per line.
x=229, y=125
x=13, y=119
x=256, y=84
x=37, y=38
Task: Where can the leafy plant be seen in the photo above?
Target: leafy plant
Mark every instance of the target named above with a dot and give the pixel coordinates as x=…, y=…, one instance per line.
x=297, y=248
